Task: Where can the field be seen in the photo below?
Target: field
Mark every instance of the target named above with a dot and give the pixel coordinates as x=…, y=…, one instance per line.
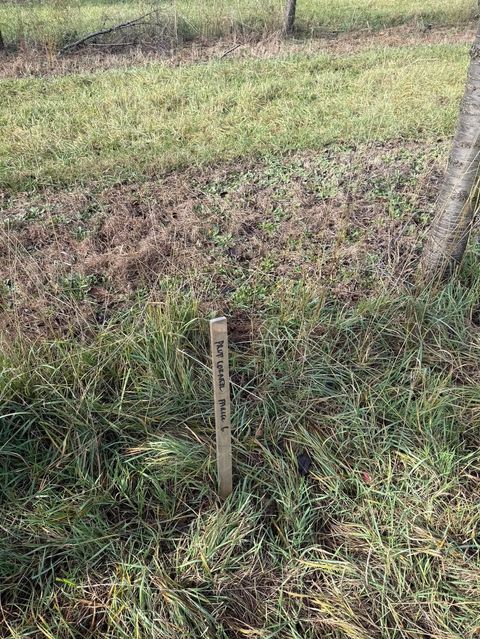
x=288, y=184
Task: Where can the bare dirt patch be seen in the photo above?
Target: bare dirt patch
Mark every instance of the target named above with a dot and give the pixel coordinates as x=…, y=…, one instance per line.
x=35, y=63
x=349, y=221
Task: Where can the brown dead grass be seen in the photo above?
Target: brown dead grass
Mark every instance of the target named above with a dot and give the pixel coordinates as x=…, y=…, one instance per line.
x=35, y=63
x=347, y=220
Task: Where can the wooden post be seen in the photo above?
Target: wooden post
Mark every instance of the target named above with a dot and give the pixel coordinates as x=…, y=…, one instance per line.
x=221, y=392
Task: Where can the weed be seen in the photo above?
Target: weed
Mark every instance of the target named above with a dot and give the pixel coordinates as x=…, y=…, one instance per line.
x=77, y=286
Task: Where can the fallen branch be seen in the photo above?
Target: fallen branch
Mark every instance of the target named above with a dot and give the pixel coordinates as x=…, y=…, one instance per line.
x=117, y=27
x=112, y=44
x=225, y=53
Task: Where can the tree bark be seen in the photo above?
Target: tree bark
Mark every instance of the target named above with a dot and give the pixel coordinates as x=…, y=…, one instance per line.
x=290, y=11
x=457, y=202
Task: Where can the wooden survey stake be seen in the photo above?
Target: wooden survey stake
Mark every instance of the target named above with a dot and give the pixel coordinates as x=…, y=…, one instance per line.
x=221, y=392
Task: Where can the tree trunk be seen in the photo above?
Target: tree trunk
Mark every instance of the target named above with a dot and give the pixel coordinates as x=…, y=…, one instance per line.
x=289, y=23
x=457, y=203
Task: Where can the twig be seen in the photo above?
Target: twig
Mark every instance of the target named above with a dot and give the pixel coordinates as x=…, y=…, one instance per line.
x=112, y=44
x=225, y=53
x=117, y=27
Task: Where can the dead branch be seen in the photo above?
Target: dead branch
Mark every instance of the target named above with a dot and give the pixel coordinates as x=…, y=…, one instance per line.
x=116, y=27
x=112, y=44
x=225, y=53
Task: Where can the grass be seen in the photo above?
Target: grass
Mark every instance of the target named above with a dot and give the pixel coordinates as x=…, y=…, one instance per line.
x=110, y=523
x=51, y=24
x=122, y=125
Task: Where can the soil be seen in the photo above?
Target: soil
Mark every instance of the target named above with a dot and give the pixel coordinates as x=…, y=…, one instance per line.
x=348, y=220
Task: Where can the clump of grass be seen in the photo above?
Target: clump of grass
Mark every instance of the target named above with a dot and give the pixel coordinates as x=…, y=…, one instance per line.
x=158, y=118
x=110, y=524
x=52, y=24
